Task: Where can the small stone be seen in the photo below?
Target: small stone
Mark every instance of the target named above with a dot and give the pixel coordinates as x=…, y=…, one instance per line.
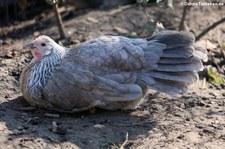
x=204, y=98
x=201, y=104
x=98, y=126
x=180, y=136
x=199, y=126
x=20, y=128
x=7, y=96
x=187, y=119
x=182, y=105
x=91, y=19
x=212, y=94
x=36, y=34
x=54, y=127
x=190, y=104
x=207, y=106
x=121, y=30
x=208, y=131
x=52, y=115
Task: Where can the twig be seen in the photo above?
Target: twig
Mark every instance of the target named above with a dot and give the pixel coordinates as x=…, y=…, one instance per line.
x=121, y=146
x=27, y=122
x=210, y=28
x=26, y=108
x=59, y=21
x=110, y=142
x=51, y=139
x=122, y=8
x=146, y=13
x=30, y=120
x=125, y=142
x=54, y=4
x=181, y=26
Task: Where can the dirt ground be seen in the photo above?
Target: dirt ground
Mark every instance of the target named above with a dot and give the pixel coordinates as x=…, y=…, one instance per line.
x=193, y=120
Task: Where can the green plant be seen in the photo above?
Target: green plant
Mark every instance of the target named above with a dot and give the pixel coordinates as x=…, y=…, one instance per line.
x=214, y=77
x=152, y=27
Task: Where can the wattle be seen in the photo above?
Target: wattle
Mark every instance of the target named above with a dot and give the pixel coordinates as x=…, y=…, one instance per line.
x=37, y=54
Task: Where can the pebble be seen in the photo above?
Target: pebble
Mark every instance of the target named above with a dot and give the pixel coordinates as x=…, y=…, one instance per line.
x=54, y=127
x=91, y=19
x=208, y=130
x=52, y=115
x=201, y=103
x=121, y=30
x=180, y=136
x=36, y=34
x=98, y=126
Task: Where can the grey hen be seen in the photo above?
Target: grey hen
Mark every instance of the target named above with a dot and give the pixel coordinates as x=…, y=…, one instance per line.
x=110, y=72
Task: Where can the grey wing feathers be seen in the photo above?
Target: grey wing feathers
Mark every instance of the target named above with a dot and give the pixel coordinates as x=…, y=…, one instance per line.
x=114, y=68
x=98, y=71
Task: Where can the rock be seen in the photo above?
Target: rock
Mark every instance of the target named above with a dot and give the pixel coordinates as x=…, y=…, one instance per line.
x=208, y=131
x=91, y=19
x=120, y=30
x=54, y=127
x=99, y=126
x=52, y=115
x=36, y=34
x=201, y=103
x=180, y=136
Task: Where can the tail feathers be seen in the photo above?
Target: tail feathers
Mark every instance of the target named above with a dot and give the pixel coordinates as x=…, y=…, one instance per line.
x=174, y=39
x=182, y=52
x=200, y=53
x=164, y=60
x=170, y=87
x=187, y=77
x=168, y=82
x=195, y=66
x=179, y=62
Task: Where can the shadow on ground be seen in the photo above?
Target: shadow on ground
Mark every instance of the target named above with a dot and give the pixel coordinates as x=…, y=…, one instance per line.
x=84, y=130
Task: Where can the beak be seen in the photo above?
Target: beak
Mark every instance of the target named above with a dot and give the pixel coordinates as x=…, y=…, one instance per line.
x=29, y=45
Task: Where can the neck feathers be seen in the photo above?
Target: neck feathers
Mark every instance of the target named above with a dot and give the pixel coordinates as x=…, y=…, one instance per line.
x=42, y=70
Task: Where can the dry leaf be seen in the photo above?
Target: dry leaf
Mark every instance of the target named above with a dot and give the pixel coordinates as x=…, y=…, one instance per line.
x=207, y=44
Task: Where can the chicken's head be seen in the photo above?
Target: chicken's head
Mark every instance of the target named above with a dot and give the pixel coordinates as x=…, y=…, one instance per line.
x=41, y=46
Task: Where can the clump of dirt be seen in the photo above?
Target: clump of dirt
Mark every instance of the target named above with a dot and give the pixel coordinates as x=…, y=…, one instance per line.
x=193, y=120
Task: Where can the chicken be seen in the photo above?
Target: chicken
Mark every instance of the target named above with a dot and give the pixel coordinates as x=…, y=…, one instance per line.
x=109, y=72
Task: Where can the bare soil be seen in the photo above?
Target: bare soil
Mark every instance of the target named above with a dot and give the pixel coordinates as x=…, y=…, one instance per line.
x=193, y=120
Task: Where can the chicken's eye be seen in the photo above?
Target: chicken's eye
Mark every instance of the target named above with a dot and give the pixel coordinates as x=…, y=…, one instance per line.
x=43, y=44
